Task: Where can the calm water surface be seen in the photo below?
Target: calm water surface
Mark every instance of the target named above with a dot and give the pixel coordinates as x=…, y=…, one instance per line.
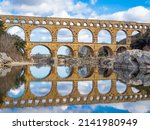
x=74, y=89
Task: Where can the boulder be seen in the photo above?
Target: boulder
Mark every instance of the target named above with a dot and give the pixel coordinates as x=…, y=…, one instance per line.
x=133, y=59
x=4, y=59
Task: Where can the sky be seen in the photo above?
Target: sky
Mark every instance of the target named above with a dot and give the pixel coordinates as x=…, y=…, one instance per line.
x=125, y=10
x=129, y=10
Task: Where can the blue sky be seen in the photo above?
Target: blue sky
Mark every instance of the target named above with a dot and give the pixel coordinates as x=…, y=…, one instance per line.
x=97, y=9
x=124, y=10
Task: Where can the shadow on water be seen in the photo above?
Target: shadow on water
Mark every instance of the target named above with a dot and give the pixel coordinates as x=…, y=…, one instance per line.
x=10, y=78
x=137, y=78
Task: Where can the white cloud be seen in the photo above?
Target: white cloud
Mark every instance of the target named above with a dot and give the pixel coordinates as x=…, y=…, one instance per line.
x=85, y=87
x=15, y=30
x=54, y=8
x=71, y=8
x=138, y=14
x=93, y=2
x=134, y=107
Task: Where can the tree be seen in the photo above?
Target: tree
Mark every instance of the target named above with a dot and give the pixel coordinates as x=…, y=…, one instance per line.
x=19, y=43
x=2, y=28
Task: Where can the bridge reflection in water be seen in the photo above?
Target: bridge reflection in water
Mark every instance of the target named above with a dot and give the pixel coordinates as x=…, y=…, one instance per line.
x=75, y=85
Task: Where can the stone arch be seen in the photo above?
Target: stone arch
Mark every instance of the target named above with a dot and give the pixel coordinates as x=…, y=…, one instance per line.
x=16, y=30
x=64, y=71
x=7, y=21
x=40, y=34
x=104, y=25
x=121, y=37
x=105, y=72
x=23, y=21
x=121, y=87
x=135, y=32
x=121, y=49
x=64, y=35
x=135, y=90
x=85, y=51
x=104, y=86
x=105, y=51
x=41, y=49
x=78, y=23
x=85, y=71
x=15, y=21
x=30, y=21
x=40, y=72
x=64, y=88
x=65, y=51
x=40, y=89
x=17, y=92
x=85, y=35
x=104, y=36
x=85, y=87
x=71, y=23
x=37, y=22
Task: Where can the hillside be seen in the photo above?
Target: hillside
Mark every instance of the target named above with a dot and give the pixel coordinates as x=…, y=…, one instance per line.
x=142, y=41
x=139, y=41
x=12, y=45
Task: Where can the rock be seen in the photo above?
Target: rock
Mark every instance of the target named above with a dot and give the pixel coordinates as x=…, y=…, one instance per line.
x=133, y=59
x=4, y=59
x=136, y=77
x=128, y=59
x=4, y=71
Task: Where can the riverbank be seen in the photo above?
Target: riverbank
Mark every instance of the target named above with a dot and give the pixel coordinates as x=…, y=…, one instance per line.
x=19, y=63
x=11, y=64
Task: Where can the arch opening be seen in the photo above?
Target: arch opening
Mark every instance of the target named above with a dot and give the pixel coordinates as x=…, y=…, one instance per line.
x=40, y=34
x=41, y=54
x=121, y=87
x=106, y=72
x=64, y=71
x=121, y=49
x=64, y=35
x=136, y=33
x=40, y=89
x=64, y=88
x=85, y=51
x=17, y=92
x=65, y=51
x=40, y=72
x=16, y=30
x=85, y=87
x=104, y=37
x=85, y=71
x=104, y=86
x=85, y=36
x=105, y=51
x=121, y=37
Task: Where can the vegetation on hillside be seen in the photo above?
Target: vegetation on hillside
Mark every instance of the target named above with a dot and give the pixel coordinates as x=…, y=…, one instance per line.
x=141, y=41
x=12, y=80
x=2, y=28
x=12, y=45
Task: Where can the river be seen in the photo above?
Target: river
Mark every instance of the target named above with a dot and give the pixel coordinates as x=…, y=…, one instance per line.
x=73, y=89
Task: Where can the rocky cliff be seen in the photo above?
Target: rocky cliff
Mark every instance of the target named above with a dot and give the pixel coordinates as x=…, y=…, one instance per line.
x=128, y=59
